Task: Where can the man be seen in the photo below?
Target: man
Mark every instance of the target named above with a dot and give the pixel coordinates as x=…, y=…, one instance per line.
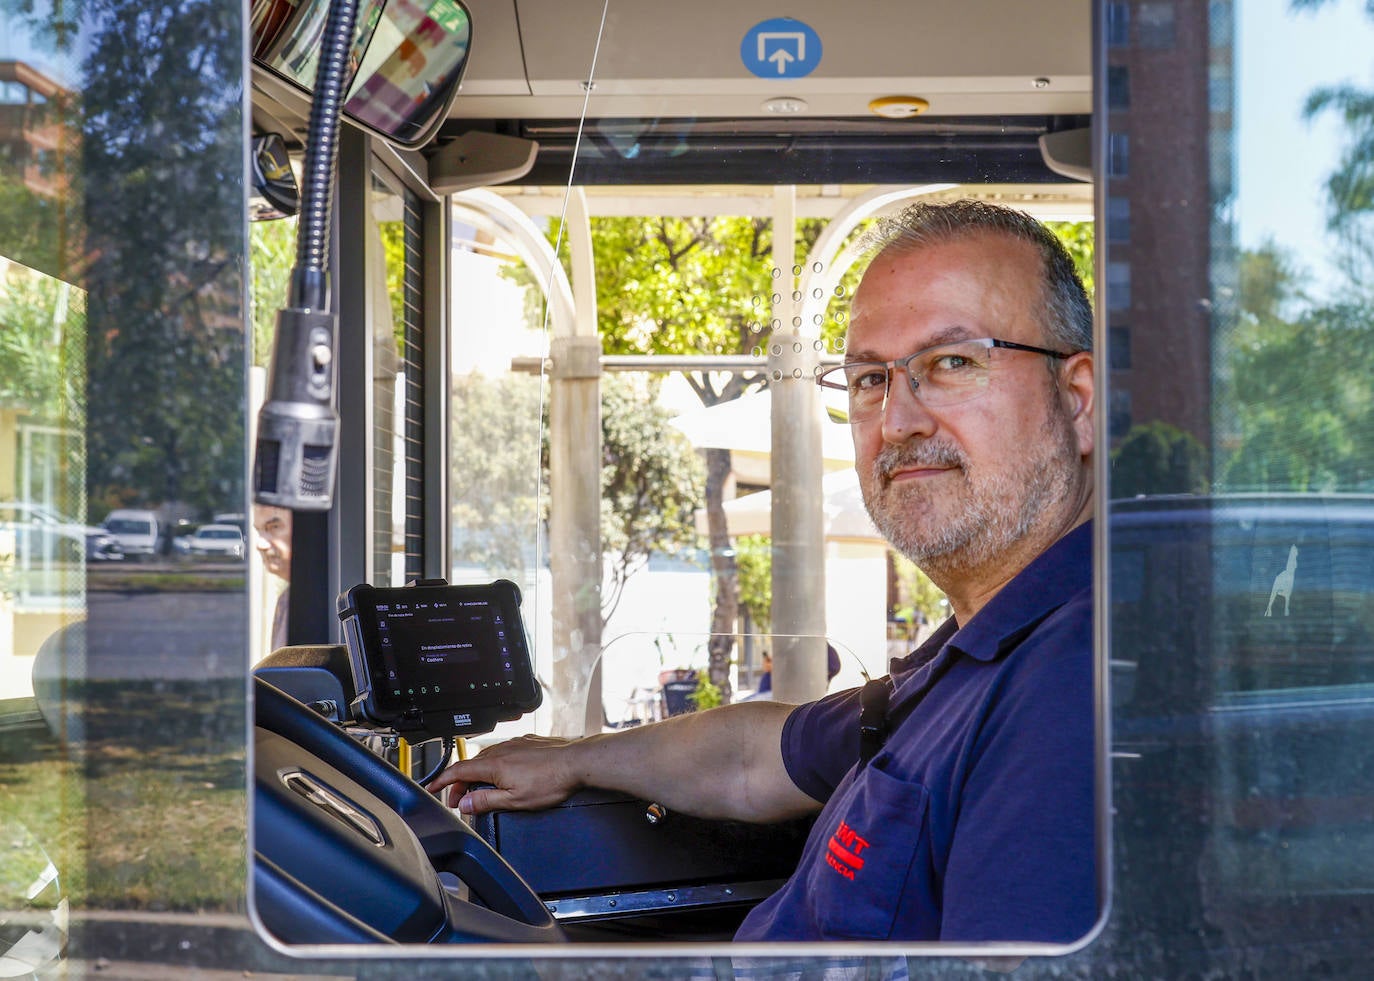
x=273, y=525
x=966, y=809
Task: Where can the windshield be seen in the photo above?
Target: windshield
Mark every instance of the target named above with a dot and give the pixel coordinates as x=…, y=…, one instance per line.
x=129, y=526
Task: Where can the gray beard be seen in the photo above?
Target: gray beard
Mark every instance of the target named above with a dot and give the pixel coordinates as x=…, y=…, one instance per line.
x=990, y=513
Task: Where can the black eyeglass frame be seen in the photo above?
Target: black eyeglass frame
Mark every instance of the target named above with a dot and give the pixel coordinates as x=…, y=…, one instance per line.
x=905, y=362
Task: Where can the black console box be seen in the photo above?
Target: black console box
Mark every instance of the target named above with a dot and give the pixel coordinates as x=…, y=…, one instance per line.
x=599, y=855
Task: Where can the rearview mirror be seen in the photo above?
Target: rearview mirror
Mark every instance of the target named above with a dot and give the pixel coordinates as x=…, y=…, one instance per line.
x=274, y=192
x=407, y=59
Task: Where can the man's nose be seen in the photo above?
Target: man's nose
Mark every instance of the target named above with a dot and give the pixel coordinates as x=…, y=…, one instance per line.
x=904, y=414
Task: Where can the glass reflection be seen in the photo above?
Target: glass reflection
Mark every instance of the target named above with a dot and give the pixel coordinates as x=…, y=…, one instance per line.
x=1242, y=646
x=122, y=366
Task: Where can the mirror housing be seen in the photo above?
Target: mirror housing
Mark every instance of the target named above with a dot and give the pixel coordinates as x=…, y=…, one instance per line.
x=479, y=159
x=274, y=193
x=407, y=60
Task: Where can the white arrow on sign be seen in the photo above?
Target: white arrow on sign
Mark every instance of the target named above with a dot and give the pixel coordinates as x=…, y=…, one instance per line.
x=782, y=56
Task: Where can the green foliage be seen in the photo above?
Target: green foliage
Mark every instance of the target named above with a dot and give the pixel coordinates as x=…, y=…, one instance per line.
x=271, y=257
x=754, y=560
x=679, y=285
x=1350, y=188
x=42, y=348
x=650, y=478
x=1296, y=428
x=162, y=174
x=494, y=446
x=707, y=695
x=394, y=251
x=34, y=227
x=651, y=481
x=668, y=285
x=1077, y=237
x=1157, y=458
x=918, y=591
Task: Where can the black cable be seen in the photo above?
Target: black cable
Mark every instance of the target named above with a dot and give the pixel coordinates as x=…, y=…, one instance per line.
x=443, y=761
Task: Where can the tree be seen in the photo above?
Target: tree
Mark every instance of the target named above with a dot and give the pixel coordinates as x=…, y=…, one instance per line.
x=494, y=473
x=42, y=336
x=1157, y=458
x=650, y=477
x=162, y=139
x=668, y=285
x=651, y=482
x=271, y=257
x=677, y=285
x=754, y=559
x=1297, y=429
x=1077, y=237
x=34, y=228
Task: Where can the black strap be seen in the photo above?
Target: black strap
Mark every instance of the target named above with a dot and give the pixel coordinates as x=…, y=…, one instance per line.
x=873, y=722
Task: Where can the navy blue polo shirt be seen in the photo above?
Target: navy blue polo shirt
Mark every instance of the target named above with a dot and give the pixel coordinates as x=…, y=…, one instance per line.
x=975, y=820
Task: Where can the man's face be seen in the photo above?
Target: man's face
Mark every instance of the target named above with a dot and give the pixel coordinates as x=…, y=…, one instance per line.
x=986, y=483
x=273, y=525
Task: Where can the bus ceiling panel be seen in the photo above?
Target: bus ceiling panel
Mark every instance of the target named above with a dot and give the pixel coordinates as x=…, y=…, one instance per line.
x=496, y=65
x=970, y=58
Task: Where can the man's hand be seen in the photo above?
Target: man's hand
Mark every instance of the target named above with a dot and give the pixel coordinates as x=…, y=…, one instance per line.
x=721, y=763
x=528, y=773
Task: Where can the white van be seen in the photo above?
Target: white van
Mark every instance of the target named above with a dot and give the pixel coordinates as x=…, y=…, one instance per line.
x=135, y=530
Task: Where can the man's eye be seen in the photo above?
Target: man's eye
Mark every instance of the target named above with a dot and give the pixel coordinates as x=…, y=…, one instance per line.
x=951, y=364
x=867, y=381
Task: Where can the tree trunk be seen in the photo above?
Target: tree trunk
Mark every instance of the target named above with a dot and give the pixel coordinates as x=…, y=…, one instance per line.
x=724, y=572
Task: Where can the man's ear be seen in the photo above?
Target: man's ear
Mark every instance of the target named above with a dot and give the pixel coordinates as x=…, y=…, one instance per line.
x=1078, y=393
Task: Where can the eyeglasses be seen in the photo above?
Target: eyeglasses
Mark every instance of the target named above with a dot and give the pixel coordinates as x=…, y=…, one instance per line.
x=945, y=374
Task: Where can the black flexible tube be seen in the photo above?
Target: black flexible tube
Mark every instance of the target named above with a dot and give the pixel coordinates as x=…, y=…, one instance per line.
x=309, y=284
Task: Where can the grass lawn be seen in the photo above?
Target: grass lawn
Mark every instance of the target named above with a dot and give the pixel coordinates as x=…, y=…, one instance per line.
x=148, y=811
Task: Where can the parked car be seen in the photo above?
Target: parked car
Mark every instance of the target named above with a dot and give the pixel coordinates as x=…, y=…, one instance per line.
x=223, y=541
x=42, y=534
x=101, y=546
x=181, y=537
x=137, y=531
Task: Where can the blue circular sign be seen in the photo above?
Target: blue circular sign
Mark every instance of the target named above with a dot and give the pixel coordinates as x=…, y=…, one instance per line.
x=781, y=48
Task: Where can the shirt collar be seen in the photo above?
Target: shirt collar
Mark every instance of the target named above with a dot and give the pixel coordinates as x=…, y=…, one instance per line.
x=1054, y=577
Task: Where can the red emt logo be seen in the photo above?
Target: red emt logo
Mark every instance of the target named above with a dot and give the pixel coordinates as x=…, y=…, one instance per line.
x=845, y=849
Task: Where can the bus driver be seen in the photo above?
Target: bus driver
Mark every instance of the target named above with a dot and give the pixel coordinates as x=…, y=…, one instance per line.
x=969, y=374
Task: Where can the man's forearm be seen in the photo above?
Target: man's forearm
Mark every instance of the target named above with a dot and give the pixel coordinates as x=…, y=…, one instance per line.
x=721, y=763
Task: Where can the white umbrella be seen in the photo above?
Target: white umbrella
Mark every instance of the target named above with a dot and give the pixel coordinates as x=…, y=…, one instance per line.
x=745, y=425
x=846, y=518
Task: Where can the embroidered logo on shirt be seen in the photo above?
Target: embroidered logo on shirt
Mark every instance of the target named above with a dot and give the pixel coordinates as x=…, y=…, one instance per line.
x=844, y=851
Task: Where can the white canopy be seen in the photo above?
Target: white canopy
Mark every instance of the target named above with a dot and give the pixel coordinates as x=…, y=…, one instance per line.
x=745, y=424
x=846, y=518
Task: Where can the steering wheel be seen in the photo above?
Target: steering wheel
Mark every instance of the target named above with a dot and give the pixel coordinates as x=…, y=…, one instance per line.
x=349, y=850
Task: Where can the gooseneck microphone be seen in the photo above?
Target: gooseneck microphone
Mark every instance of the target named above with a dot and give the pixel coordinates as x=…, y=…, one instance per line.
x=295, y=455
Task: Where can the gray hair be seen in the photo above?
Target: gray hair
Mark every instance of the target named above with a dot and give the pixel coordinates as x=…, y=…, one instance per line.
x=1067, y=317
